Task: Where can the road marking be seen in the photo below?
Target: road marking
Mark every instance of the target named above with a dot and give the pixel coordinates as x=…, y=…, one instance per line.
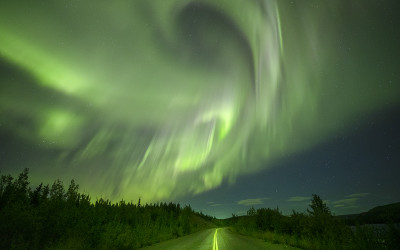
x=215, y=246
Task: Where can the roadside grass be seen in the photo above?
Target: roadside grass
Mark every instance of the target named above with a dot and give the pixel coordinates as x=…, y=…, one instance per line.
x=275, y=238
x=363, y=237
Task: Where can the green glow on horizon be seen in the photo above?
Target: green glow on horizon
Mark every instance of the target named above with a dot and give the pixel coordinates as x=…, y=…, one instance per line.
x=145, y=98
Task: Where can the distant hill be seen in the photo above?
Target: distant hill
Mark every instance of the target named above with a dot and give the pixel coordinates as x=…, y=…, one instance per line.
x=199, y=222
x=378, y=215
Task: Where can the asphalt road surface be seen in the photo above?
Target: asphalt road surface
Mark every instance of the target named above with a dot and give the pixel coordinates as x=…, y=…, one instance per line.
x=216, y=239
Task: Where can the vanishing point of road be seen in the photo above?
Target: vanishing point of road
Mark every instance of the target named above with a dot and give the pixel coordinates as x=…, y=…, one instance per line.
x=216, y=239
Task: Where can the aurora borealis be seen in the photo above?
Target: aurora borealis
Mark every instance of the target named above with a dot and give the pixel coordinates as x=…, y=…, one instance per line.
x=168, y=99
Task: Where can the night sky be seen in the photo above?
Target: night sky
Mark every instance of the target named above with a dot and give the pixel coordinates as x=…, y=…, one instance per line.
x=220, y=104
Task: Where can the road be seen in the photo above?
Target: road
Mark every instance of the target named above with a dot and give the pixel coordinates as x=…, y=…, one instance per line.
x=216, y=239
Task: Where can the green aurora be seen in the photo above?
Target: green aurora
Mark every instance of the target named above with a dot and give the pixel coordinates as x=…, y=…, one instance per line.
x=165, y=98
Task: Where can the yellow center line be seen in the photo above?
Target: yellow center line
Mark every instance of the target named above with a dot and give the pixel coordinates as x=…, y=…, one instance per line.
x=215, y=246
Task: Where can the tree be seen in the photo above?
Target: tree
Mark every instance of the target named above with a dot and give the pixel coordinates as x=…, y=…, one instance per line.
x=318, y=207
x=35, y=195
x=321, y=218
x=21, y=187
x=57, y=191
x=251, y=212
x=269, y=219
x=72, y=193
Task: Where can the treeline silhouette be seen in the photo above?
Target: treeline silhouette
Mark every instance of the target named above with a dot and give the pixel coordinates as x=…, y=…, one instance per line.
x=54, y=218
x=316, y=229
